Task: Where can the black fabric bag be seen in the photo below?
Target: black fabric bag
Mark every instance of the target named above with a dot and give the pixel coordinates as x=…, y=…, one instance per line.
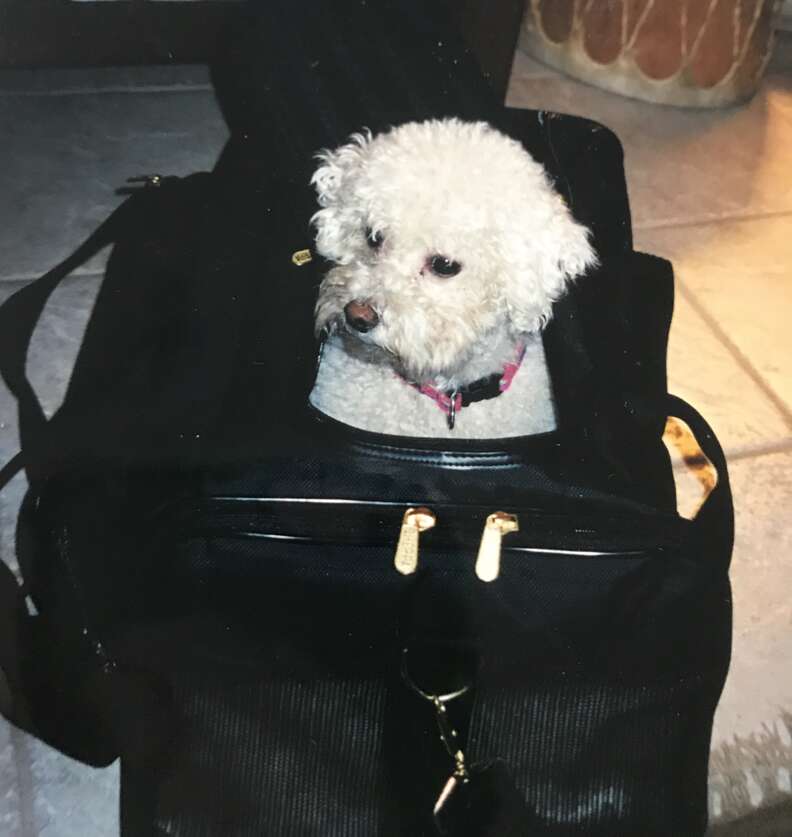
x=210, y=563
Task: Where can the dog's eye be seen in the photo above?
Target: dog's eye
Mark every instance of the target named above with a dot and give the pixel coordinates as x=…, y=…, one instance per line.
x=441, y=266
x=374, y=239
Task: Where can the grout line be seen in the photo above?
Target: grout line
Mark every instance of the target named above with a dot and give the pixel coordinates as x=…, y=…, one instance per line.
x=27, y=278
x=703, y=222
x=742, y=360
x=94, y=91
x=747, y=452
x=531, y=75
x=755, y=451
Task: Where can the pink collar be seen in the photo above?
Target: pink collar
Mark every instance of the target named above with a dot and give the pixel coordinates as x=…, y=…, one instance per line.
x=451, y=402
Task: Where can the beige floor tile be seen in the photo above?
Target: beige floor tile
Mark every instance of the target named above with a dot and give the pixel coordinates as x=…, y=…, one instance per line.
x=684, y=165
x=740, y=275
x=703, y=372
x=752, y=739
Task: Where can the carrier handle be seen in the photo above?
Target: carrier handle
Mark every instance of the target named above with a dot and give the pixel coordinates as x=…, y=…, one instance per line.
x=705, y=435
x=19, y=316
x=716, y=515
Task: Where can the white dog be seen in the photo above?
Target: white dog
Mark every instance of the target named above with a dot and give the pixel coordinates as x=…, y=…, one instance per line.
x=450, y=246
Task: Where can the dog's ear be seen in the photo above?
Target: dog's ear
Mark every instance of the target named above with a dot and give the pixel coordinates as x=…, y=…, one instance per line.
x=333, y=181
x=546, y=251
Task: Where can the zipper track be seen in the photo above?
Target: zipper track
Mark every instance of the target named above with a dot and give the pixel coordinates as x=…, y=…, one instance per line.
x=351, y=522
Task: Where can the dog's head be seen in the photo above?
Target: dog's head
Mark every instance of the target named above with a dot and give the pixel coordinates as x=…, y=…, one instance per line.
x=442, y=232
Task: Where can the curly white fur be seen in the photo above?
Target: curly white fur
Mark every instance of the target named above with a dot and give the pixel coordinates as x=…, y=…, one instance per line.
x=452, y=189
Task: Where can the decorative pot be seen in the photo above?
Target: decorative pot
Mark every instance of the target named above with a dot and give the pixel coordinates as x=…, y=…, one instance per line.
x=693, y=53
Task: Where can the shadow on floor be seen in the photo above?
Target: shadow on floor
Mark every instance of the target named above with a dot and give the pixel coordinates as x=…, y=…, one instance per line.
x=770, y=822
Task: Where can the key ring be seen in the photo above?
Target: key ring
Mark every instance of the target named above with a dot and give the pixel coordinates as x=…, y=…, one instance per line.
x=448, y=734
x=434, y=699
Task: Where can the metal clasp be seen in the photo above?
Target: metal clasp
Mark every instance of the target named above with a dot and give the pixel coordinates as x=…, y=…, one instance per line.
x=302, y=257
x=448, y=735
x=148, y=181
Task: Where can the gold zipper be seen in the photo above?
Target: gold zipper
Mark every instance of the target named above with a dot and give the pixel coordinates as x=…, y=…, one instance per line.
x=489, y=554
x=414, y=522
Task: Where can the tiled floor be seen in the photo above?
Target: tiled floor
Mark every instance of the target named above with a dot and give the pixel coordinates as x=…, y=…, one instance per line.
x=711, y=191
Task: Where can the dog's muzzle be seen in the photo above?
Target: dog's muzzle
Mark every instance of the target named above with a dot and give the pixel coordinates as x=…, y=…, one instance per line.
x=360, y=316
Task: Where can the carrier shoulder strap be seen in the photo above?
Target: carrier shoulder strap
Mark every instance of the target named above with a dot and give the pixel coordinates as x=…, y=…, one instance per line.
x=18, y=318
x=713, y=525
x=20, y=313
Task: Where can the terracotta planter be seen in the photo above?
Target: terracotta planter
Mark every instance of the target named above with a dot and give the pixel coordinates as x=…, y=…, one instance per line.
x=694, y=53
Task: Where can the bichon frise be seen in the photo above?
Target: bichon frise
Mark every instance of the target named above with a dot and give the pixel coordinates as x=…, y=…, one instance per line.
x=450, y=246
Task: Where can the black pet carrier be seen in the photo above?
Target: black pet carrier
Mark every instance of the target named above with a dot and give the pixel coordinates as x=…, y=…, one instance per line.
x=210, y=589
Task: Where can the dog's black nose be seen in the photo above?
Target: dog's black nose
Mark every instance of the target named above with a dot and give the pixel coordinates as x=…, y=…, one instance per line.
x=361, y=316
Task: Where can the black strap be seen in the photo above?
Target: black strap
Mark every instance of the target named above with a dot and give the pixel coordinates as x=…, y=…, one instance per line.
x=18, y=318
x=714, y=523
x=705, y=436
x=482, y=390
x=11, y=469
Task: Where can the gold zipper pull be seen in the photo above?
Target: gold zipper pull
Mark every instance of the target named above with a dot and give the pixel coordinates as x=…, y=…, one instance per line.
x=414, y=522
x=489, y=554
